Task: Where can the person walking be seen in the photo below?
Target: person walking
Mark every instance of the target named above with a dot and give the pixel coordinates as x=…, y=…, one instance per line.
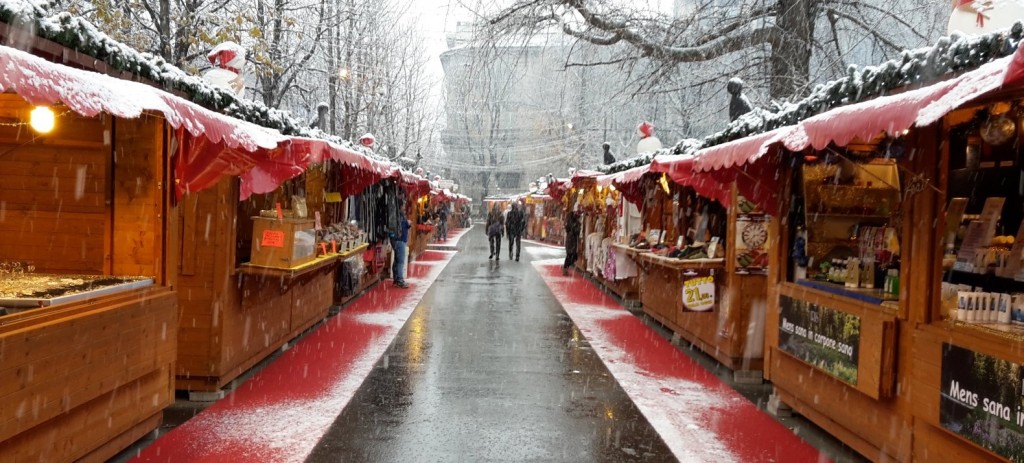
x=399, y=242
x=495, y=226
x=442, y=224
x=572, y=240
x=515, y=224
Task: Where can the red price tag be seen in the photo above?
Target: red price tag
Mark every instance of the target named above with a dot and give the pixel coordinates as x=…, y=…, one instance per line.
x=272, y=239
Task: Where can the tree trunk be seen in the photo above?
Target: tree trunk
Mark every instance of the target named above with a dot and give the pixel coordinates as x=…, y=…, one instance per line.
x=791, y=57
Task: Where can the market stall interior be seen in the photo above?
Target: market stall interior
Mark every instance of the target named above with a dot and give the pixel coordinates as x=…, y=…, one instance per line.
x=86, y=305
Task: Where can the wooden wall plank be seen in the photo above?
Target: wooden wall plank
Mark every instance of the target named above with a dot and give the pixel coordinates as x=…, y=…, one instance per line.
x=138, y=216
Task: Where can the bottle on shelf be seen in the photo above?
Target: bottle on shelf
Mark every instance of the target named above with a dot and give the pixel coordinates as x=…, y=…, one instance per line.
x=853, y=273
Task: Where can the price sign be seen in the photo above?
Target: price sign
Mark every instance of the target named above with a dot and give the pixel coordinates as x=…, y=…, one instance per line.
x=699, y=290
x=332, y=197
x=272, y=239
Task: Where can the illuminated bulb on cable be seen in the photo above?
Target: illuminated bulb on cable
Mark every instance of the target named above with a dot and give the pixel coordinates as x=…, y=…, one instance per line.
x=611, y=187
x=42, y=119
x=599, y=188
x=664, y=183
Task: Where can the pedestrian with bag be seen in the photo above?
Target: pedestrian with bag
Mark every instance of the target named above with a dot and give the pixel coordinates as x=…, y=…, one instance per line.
x=399, y=243
x=495, y=227
x=572, y=240
x=515, y=225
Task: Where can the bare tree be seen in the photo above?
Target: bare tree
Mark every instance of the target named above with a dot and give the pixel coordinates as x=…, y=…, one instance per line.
x=779, y=37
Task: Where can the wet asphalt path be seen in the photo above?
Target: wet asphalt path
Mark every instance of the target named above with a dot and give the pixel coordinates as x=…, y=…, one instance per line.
x=490, y=368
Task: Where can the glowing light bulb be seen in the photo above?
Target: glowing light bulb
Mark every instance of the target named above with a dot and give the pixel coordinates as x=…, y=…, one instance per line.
x=42, y=119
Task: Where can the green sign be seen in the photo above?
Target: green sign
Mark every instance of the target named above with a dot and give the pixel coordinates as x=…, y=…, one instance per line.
x=980, y=399
x=827, y=339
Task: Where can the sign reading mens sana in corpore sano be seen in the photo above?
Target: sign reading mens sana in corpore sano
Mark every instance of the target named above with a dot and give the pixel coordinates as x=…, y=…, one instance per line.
x=981, y=400
x=699, y=290
x=825, y=338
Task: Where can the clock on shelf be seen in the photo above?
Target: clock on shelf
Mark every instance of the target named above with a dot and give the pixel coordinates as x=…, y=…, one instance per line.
x=754, y=234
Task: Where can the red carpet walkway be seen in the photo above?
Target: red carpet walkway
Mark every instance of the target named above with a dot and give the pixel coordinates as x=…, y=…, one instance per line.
x=281, y=413
x=700, y=418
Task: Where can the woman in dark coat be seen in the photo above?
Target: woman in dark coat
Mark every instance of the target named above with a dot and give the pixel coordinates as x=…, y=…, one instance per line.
x=495, y=227
x=572, y=240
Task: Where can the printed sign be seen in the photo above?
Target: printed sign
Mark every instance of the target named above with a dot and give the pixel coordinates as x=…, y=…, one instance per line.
x=332, y=197
x=698, y=290
x=981, y=400
x=827, y=339
x=272, y=239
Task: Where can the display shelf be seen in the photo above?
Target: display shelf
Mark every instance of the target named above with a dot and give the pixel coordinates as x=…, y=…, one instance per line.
x=987, y=281
x=680, y=263
x=259, y=270
x=817, y=214
x=1005, y=331
x=871, y=296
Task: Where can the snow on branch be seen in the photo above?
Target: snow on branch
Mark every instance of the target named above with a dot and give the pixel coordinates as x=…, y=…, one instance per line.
x=914, y=68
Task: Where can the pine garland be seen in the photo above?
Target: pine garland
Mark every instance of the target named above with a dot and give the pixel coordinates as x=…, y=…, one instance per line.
x=80, y=35
x=914, y=68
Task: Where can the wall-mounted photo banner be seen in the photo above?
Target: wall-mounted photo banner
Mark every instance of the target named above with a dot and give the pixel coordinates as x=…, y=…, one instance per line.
x=827, y=339
x=981, y=400
x=699, y=290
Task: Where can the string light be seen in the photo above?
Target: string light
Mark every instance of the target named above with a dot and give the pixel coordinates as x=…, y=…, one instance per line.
x=42, y=119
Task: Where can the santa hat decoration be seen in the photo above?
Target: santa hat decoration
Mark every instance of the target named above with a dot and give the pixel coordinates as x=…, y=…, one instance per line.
x=229, y=55
x=228, y=59
x=368, y=140
x=645, y=129
x=648, y=142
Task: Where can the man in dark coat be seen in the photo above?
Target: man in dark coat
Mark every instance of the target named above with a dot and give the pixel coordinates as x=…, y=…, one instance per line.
x=515, y=225
x=572, y=240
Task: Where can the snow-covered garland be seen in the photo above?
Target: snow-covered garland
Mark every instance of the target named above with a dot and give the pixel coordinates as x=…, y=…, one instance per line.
x=79, y=34
x=918, y=67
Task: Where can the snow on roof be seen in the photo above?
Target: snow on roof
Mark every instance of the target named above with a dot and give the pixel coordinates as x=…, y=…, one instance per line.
x=79, y=34
x=88, y=93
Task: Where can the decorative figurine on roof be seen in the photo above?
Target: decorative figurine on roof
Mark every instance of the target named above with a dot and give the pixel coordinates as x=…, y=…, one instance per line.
x=608, y=157
x=321, y=117
x=974, y=17
x=368, y=140
x=228, y=59
x=738, y=102
x=648, y=142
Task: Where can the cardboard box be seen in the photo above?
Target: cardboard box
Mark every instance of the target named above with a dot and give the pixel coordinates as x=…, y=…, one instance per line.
x=282, y=243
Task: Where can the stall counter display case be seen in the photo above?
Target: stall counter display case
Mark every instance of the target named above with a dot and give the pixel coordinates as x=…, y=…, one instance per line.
x=841, y=198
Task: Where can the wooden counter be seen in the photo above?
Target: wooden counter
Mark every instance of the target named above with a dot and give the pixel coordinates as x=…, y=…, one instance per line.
x=861, y=411
x=932, y=441
x=731, y=332
x=96, y=375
